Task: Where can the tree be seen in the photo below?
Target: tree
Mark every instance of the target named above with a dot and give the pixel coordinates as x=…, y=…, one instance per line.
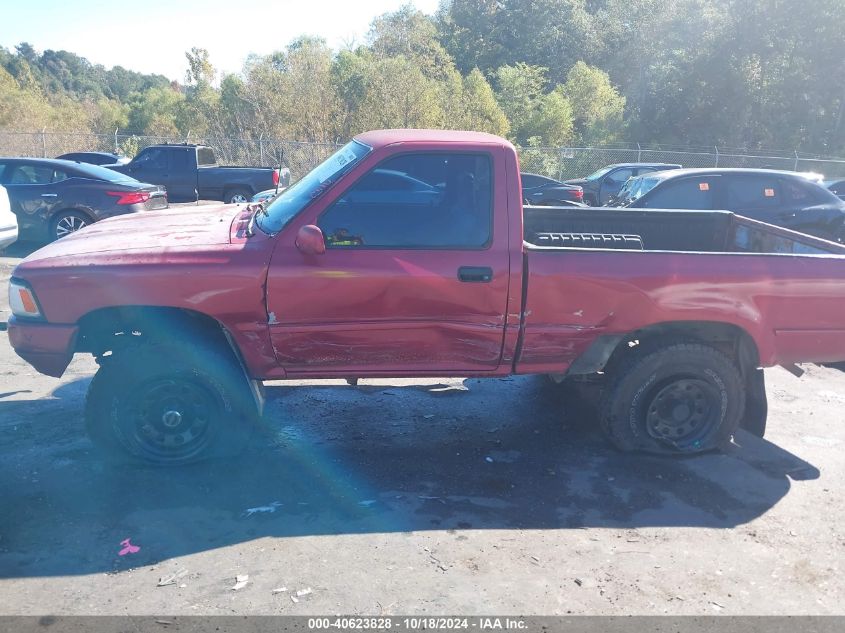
x=597, y=107
x=518, y=90
x=488, y=34
x=480, y=111
x=411, y=34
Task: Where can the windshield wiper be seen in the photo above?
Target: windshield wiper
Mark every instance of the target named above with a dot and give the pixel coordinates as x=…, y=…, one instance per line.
x=250, y=227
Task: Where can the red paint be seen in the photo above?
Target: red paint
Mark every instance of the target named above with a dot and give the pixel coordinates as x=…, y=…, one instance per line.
x=345, y=312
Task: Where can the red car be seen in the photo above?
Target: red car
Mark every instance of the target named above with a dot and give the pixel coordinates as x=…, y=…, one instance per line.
x=187, y=312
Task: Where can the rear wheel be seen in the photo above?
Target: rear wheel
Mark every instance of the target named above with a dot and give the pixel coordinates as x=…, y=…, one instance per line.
x=170, y=404
x=680, y=398
x=67, y=222
x=237, y=195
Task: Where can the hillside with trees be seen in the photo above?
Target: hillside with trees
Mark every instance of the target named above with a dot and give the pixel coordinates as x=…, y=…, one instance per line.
x=735, y=73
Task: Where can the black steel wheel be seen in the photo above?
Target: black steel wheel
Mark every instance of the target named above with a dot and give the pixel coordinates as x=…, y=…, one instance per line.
x=170, y=404
x=681, y=398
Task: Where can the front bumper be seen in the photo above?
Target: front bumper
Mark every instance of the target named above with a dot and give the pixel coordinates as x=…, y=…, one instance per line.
x=45, y=346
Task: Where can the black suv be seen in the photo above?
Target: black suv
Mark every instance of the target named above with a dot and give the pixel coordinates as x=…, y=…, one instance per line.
x=603, y=185
x=782, y=198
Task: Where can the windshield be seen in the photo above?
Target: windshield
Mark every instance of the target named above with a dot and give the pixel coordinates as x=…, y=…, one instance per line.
x=293, y=199
x=634, y=189
x=598, y=174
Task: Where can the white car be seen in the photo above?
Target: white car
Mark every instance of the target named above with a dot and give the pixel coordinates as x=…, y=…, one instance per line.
x=8, y=221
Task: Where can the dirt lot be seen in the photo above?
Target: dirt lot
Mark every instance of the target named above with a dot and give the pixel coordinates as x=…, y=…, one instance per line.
x=423, y=496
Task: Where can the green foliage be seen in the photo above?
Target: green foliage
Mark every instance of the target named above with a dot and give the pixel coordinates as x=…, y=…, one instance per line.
x=533, y=112
x=753, y=73
x=596, y=107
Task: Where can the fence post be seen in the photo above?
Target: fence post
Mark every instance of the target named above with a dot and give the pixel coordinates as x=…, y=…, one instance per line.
x=115, y=139
x=639, y=153
x=796, y=161
x=261, y=148
x=717, y=155
x=44, y=143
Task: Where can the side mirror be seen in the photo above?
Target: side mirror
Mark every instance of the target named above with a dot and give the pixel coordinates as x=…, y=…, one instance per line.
x=310, y=241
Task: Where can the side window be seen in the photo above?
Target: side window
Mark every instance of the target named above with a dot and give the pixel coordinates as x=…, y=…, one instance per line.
x=3, y=170
x=59, y=176
x=31, y=175
x=431, y=200
x=153, y=159
x=797, y=193
x=615, y=179
x=687, y=193
x=205, y=156
x=752, y=192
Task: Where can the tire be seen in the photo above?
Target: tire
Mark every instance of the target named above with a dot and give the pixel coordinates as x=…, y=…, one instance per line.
x=170, y=404
x=756, y=404
x=590, y=201
x=237, y=195
x=67, y=222
x=680, y=398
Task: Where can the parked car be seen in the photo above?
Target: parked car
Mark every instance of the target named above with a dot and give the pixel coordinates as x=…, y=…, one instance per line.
x=190, y=172
x=8, y=221
x=677, y=310
x=95, y=158
x=837, y=187
x=540, y=190
x=53, y=198
x=783, y=198
x=603, y=185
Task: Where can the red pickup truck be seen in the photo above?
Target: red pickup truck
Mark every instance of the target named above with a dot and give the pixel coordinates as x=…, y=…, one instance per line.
x=409, y=253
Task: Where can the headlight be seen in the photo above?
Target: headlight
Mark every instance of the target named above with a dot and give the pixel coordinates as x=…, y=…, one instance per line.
x=22, y=300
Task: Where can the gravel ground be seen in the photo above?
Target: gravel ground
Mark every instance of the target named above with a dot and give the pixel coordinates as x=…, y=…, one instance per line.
x=425, y=497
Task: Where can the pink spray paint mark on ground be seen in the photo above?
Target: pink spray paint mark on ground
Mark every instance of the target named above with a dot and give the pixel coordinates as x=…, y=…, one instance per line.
x=128, y=548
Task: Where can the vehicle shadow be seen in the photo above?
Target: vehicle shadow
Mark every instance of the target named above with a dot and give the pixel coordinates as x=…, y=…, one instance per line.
x=483, y=454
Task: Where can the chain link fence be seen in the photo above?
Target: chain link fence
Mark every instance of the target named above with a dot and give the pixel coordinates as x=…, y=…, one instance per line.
x=575, y=162
x=300, y=158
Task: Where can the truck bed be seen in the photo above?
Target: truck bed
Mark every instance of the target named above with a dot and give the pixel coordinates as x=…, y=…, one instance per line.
x=592, y=273
x=671, y=230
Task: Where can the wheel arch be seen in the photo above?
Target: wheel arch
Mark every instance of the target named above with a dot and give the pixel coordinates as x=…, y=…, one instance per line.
x=51, y=219
x=100, y=330
x=229, y=188
x=732, y=340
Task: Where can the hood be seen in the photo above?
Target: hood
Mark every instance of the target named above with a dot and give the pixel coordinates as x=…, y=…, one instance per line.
x=162, y=231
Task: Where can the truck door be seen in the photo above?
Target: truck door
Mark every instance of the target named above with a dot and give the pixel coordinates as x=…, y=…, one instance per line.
x=182, y=179
x=612, y=183
x=151, y=166
x=415, y=274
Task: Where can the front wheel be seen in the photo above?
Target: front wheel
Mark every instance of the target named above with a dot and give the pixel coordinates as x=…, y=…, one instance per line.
x=682, y=398
x=170, y=404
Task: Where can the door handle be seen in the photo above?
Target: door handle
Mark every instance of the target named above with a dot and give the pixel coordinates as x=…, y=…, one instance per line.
x=49, y=195
x=475, y=274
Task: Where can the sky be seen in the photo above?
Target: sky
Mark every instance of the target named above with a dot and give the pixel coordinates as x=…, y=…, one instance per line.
x=151, y=36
